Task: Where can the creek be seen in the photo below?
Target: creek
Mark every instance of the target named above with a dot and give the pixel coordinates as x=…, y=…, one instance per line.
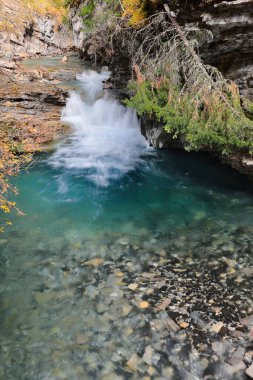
x=103, y=197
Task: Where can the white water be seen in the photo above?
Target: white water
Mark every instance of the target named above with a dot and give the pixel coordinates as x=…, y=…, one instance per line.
x=106, y=142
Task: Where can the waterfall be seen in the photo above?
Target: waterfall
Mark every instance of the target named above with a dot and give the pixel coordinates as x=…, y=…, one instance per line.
x=106, y=142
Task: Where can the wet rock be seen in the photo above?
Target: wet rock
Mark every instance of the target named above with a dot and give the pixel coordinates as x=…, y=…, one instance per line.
x=248, y=357
x=119, y=274
x=165, y=323
x=216, y=327
x=43, y=297
x=133, y=363
x=237, y=356
x=126, y=309
x=184, y=325
x=133, y=286
x=82, y=339
x=163, y=305
x=247, y=321
x=143, y=305
x=249, y=371
x=240, y=366
x=91, y=291
x=219, y=347
x=148, y=355
x=123, y=242
x=94, y=262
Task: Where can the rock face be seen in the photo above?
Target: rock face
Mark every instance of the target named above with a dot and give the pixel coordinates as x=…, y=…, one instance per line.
x=95, y=47
x=31, y=102
x=231, y=48
x=34, y=110
x=24, y=32
x=79, y=35
x=157, y=137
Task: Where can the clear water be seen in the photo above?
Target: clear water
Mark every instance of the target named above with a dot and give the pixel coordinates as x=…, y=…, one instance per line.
x=63, y=320
x=55, y=62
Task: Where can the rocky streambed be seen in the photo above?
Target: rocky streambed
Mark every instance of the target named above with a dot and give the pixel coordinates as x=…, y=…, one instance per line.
x=150, y=278
x=147, y=307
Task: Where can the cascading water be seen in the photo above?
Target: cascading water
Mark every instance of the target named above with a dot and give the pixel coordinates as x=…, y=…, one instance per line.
x=106, y=142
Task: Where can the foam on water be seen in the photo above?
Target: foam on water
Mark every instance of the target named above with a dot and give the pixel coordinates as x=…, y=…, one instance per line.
x=106, y=143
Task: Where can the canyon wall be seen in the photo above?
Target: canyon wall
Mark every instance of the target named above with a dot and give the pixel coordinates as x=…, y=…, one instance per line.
x=24, y=31
x=230, y=49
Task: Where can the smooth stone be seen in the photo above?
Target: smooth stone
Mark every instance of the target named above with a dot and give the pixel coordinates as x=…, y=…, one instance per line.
x=133, y=286
x=143, y=305
x=126, y=309
x=82, y=339
x=219, y=347
x=237, y=356
x=148, y=355
x=94, y=262
x=249, y=371
x=43, y=297
x=184, y=325
x=216, y=327
x=133, y=362
x=123, y=242
x=247, y=321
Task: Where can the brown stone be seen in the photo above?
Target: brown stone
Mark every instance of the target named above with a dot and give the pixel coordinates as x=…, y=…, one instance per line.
x=163, y=305
x=94, y=262
x=81, y=339
x=133, y=362
x=133, y=286
x=247, y=321
x=143, y=305
x=184, y=325
x=216, y=327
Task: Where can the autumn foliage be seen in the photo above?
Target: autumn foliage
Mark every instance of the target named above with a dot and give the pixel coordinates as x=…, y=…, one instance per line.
x=11, y=161
x=138, y=10
x=53, y=7
x=134, y=9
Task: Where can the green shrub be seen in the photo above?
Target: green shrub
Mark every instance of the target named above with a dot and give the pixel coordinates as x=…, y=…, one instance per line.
x=212, y=125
